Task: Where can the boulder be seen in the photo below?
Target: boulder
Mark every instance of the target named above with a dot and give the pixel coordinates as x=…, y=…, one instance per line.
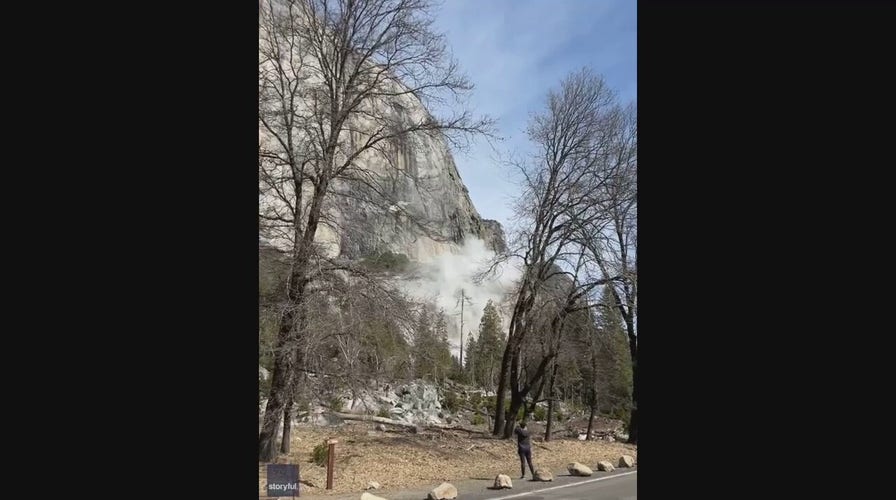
x=626, y=461
x=605, y=466
x=368, y=496
x=503, y=481
x=543, y=475
x=442, y=492
x=578, y=469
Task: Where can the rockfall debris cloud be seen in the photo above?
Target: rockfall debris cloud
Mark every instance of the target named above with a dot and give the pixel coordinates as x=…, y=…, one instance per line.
x=443, y=279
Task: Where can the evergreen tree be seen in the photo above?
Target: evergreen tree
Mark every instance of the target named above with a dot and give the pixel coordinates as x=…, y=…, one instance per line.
x=489, y=347
x=470, y=358
x=432, y=351
x=615, y=359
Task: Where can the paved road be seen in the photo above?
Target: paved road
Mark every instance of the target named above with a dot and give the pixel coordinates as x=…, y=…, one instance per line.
x=613, y=487
x=621, y=485
x=618, y=485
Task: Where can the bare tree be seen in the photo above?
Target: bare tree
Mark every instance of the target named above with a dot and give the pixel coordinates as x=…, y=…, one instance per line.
x=331, y=75
x=613, y=247
x=573, y=138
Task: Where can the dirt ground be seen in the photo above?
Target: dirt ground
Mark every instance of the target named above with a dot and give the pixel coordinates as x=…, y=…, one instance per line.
x=401, y=460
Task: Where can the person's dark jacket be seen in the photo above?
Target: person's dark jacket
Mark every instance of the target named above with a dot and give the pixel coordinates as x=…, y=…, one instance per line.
x=523, y=441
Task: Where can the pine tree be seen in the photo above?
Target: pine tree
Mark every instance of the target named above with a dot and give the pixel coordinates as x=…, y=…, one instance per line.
x=489, y=347
x=442, y=347
x=432, y=351
x=470, y=358
x=615, y=359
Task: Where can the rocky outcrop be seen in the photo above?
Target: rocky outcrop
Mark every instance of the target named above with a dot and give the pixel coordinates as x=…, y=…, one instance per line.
x=416, y=402
x=494, y=236
x=412, y=200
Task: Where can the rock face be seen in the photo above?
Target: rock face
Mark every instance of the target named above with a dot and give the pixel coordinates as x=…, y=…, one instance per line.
x=503, y=481
x=419, y=206
x=543, y=475
x=605, y=466
x=626, y=461
x=579, y=469
x=442, y=492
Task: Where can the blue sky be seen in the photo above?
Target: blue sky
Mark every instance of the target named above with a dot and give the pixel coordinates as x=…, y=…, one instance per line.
x=514, y=51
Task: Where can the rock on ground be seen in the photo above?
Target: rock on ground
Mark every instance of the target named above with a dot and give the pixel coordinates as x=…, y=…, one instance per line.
x=579, y=469
x=605, y=466
x=543, y=475
x=373, y=485
x=626, y=461
x=503, y=481
x=368, y=496
x=443, y=491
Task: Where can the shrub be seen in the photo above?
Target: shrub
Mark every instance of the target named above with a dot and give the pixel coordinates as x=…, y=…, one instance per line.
x=539, y=414
x=386, y=261
x=383, y=412
x=477, y=419
x=451, y=401
x=489, y=404
x=475, y=399
x=320, y=454
x=621, y=413
x=335, y=403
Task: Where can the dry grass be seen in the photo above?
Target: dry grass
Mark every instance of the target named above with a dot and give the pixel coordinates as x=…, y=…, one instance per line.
x=400, y=460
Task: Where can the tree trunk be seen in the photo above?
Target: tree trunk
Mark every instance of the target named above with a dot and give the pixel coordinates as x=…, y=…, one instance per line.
x=547, y=429
x=273, y=412
x=289, y=332
x=511, y=352
x=536, y=395
x=633, y=350
x=371, y=418
x=633, y=421
x=516, y=402
x=502, y=388
x=516, y=395
x=399, y=423
x=287, y=427
x=591, y=416
x=294, y=380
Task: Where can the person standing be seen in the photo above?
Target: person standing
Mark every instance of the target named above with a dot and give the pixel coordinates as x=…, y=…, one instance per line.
x=524, y=448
